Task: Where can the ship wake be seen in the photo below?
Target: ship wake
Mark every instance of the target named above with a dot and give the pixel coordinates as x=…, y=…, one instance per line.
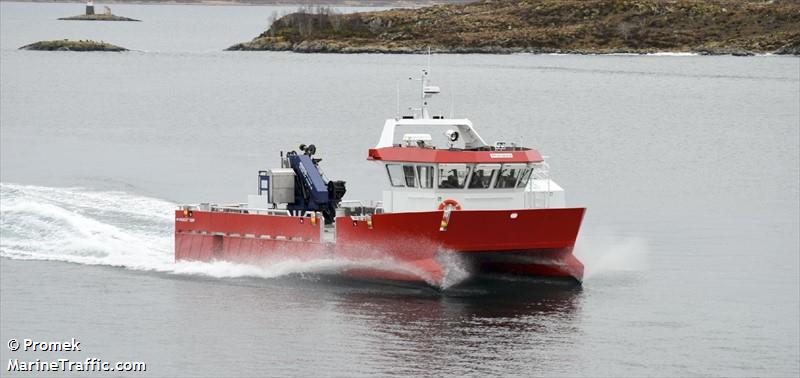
x=120, y=229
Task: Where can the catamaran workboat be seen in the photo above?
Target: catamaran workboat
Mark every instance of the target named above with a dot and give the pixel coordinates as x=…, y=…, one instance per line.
x=492, y=209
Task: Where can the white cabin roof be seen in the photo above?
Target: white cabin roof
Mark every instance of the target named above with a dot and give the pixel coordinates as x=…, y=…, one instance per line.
x=464, y=126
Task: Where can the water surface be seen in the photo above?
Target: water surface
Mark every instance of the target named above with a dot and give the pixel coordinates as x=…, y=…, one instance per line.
x=688, y=166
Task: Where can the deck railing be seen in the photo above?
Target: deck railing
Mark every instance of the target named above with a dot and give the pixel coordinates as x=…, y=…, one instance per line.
x=243, y=209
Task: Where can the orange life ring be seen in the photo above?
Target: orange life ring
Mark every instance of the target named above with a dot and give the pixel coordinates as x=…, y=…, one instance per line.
x=450, y=202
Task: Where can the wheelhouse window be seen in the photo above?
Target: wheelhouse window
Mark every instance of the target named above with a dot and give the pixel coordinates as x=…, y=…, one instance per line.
x=452, y=176
x=410, y=178
x=508, y=176
x=425, y=174
x=523, y=180
x=396, y=174
x=482, y=176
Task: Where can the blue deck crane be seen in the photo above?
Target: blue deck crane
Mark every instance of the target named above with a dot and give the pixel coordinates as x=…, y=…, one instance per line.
x=311, y=191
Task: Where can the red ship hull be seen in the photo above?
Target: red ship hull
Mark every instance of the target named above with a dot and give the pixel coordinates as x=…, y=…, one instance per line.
x=422, y=246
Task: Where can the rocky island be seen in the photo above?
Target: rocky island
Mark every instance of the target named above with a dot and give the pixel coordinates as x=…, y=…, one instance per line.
x=739, y=27
x=97, y=17
x=67, y=45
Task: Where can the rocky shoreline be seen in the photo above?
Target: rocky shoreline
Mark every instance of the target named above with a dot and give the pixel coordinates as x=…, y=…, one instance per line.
x=332, y=47
x=722, y=27
x=67, y=45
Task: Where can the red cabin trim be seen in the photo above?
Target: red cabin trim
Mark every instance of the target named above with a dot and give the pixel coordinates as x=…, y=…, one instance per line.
x=429, y=155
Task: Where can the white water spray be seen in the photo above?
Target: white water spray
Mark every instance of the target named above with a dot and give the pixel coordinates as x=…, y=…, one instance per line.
x=605, y=253
x=454, y=269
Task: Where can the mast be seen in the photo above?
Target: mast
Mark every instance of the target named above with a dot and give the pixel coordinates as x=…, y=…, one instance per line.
x=427, y=91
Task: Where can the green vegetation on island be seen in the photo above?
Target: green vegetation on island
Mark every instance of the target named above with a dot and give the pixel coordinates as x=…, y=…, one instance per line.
x=67, y=45
x=739, y=27
x=97, y=17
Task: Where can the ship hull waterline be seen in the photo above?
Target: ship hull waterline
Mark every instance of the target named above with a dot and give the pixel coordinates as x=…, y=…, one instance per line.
x=421, y=247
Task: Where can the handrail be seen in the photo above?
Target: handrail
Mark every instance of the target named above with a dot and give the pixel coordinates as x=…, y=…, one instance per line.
x=243, y=210
x=360, y=202
x=363, y=206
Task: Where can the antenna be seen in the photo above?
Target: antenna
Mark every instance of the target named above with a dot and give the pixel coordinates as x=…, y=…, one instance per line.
x=452, y=103
x=397, y=83
x=429, y=58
